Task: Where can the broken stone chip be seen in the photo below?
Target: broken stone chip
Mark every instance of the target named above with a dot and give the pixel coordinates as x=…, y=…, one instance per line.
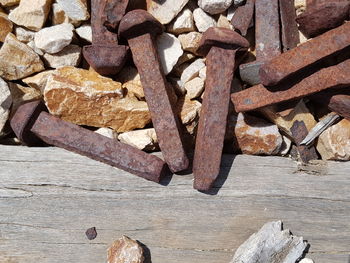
x=75, y=9
x=17, y=60
x=165, y=11
x=69, y=56
x=5, y=26
x=84, y=97
x=21, y=95
x=5, y=103
x=9, y=2
x=190, y=41
x=169, y=50
x=214, y=7
x=125, y=250
x=202, y=20
x=145, y=139
x=183, y=23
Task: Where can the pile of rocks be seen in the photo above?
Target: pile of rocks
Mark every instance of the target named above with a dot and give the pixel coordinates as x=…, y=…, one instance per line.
x=41, y=59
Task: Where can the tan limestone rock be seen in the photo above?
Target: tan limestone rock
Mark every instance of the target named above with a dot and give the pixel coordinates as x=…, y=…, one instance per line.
x=24, y=35
x=145, y=139
x=165, y=11
x=107, y=132
x=169, y=51
x=5, y=103
x=188, y=110
x=39, y=80
x=203, y=20
x=69, y=56
x=191, y=71
x=5, y=26
x=256, y=136
x=31, y=14
x=85, y=32
x=21, y=95
x=194, y=88
x=9, y=2
x=190, y=42
x=86, y=98
x=59, y=16
x=125, y=250
x=334, y=143
x=17, y=60
x=224, y=22
x=76, y=10
x=132, y=82
x=183, y=23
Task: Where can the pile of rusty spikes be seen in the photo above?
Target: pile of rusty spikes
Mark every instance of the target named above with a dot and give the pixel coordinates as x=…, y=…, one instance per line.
x=282, y=71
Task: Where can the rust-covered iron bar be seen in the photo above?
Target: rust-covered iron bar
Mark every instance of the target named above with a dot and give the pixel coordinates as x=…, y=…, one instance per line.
x=114, y=11
x=258, y=96
x=31, y=123
x=299, y=132
x=105, y=56
x=243, y=17
x=289, y=27
x=140, y=29
x=305, y=55
x=221, y=46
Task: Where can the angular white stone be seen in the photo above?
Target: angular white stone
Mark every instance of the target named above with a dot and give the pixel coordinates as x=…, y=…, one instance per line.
x=31, y=14
x=39, y=80
x=194, y=88
x=190, y=41
x=59, y=16
x=107, y=132
x=24, y=35
x=145, y=139
x=306, y=260
x=165, y=11
x=183, y=23
x=32, y=45
x=214, y=6
x=192, y=70
x=69, y=56
x=203, y=73
x=203, y=20
x=5, y=103
x=55, y=38
x=169, y=51
x=85, y=32
x=75, y=9
x=224, y=22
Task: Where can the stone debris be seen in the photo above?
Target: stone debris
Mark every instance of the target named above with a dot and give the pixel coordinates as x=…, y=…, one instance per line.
x=5, y=103
x=38, y=81
x=125, y=250
x=145, y=139
x=24, y=35
x=17, y=60
x=21, y=95
x=55, y=38
x=190, y=41
x=169, y=51
x=214, y=7
x=59, y=16
x=69, y=56
x=203, y=20
x=31, y=14
x=165, y=11
x=271, y=244
x=75, y=9
x=9, y=2
x=189, y=110
x=306, y=260
x=85, y=32
x=192, y=70
x=183, y=23
x=107, y=132
x=5, y=26
x=256, y=136
x=194, y=88
x=70, y=91
x=334, y=143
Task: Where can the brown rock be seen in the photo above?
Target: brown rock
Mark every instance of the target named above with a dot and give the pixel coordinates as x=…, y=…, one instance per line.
x=86, y=98
x=9, y=2
x=334, y=143
x=132, y=82
x=21, y=95
x=17, y=60
x=125, y=250
x=39, y=80
x=256, y=136
x=190, y=41
x=5, y=26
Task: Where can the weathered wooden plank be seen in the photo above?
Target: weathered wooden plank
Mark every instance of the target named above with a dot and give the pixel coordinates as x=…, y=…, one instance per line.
x=49, y=197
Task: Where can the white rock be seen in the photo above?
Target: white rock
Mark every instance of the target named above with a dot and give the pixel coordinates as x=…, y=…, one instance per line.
x=32, y=45
x=224, y=22
x=85, y=32
x=145, y=139
x=183, y=23
x=24, y=35
x=306, y=260
x=75, y=9
x=192, y=70
x=55, y=38
x=203, y=20
x=203, y=73
x=107, y=132
x=5, y=103
x=194, y=88
x=39, y=80
x=69, y=56
x=286, y=145
x=190, y=41
x=165, y=11
x=169, y=50
x=214, y=6
x=31, y=14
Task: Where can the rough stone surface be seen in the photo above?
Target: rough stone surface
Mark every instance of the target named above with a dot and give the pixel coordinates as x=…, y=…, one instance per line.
x=17, y=60
x=9, y=2
x=169, y=51
x=192, y=70
x=194, y=88
x=24, y=35
x=21, y=95
x=85, y=32
x=224, y=22
x=75, y=9
x=202, y=20
x=165, y=11
x=145, y=139
x=334, y=143
x=59, y=16
x=131, y=80
x=306, y=260
x=286, y=146
x=125, y=250
x=257, y=137
x=70, y=91
x=31, y=14
x=271, y=244
x=203, y=73
x=39, y=80
x=5, y=26
x=107, y=132
x=69, y=56
x=32, y=45
x=190, y=41
x=214, y=6
x=55, y=38
x=5, y=103
x=183, y=23
x=189, y=110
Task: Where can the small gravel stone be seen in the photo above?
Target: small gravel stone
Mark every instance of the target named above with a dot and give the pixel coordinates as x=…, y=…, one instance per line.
x=194, y=88
x=85, y=32
x=69, y=56
x=165, y=11
x=91, y=233
x=203, y=20
x=145, y=139
x=125, y=250
x=183, y=23
x=5, y=103
x=75, y=9
x=5, y=26
x=169, y=51
x=214, y=6
x=192, y=70
x=24, y=35
x=190, y=41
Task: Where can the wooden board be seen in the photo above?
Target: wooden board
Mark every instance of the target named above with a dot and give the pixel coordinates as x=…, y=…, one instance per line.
x=49, y=197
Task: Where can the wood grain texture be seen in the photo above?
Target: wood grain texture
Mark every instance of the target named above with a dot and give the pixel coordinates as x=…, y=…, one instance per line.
x=49, y=197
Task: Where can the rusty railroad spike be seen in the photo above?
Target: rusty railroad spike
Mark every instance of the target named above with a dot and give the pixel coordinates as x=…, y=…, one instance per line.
x=220, y=45
x=140, y=28
x=105, y=56
x=289, y=27
x=243, y=17
x=31, y=124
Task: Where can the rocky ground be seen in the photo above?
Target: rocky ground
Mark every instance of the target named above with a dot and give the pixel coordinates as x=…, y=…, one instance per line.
x=41, y=58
